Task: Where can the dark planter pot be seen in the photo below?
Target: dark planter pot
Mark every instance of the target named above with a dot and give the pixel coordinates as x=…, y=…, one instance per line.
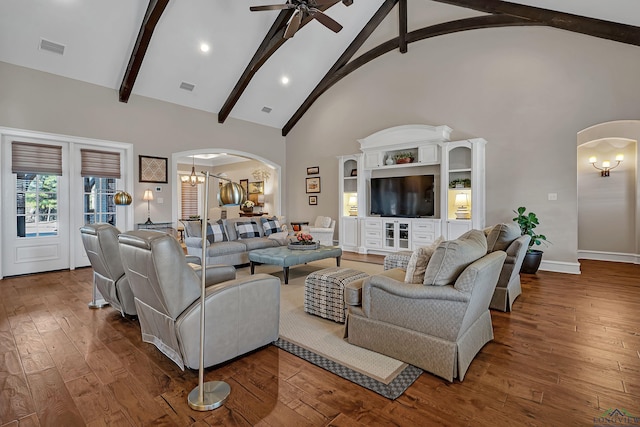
x=531, y=262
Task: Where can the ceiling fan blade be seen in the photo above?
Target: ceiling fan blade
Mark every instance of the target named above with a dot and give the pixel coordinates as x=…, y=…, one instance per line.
x=325, y=20
x=271, y=7
x=294, y=24
x=325, y=2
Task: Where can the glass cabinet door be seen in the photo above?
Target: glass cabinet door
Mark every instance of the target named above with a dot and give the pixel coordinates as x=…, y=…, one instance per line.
x=403, y=235
x=389, y=235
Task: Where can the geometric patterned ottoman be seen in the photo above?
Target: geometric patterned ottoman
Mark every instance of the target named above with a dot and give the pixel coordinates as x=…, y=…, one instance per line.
x=397, y=259
x=324, y=291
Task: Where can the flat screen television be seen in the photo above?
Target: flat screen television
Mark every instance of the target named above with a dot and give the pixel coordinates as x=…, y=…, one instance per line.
x=403, y=196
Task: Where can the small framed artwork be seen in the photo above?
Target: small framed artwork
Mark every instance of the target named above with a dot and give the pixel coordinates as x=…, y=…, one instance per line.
x=153, y=169
x=313, y=185
x=314, y=170
x=256, y=187
x=244, y=183
x=313, y=200
x=354, y=172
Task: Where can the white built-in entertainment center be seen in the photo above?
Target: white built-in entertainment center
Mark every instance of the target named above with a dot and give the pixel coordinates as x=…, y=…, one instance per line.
x=424, y=154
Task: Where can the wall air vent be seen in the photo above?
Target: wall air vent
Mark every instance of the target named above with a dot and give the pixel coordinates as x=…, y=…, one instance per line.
x=187, y=86
x=52, y=46
x=266, y=109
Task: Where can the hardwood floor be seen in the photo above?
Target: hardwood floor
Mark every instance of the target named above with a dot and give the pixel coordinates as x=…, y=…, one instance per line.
x=569, y=352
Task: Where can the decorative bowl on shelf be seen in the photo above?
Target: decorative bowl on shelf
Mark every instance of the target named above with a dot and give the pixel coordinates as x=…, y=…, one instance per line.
x=300, y=246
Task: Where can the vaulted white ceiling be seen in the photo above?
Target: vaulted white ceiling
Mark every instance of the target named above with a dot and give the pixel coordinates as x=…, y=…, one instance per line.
x=99, y=37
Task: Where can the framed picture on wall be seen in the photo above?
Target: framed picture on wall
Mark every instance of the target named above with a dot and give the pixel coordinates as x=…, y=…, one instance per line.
x=256, y=187
x=313, y=200
x=153, y=169
x=244, y=183
x=314, y=170
x=313, y=185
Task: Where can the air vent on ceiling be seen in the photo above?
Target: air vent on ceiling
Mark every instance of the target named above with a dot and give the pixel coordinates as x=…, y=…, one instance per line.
x=266, y=109
x=187, y=86
x=52, y=46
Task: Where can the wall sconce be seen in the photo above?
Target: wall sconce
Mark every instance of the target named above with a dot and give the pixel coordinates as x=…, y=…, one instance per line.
x=261, y=174
x=353, y=206
x=606, y=164
x=147, y=197
x=462, y=202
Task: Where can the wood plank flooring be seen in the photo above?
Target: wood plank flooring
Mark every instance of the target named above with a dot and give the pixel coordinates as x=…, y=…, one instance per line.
x=569, y=352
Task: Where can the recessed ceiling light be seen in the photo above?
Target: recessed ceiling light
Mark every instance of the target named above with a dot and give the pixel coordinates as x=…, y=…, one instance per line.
x=204, y=47
x=284, y=80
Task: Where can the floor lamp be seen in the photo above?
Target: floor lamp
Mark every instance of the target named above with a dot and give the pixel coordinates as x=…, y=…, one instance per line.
x=212, y=394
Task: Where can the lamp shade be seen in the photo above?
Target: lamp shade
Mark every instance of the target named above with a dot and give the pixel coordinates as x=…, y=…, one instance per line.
x=353, y=201
x=232, y=194
x=122, y=198
x=461, y=199
x=148, y=195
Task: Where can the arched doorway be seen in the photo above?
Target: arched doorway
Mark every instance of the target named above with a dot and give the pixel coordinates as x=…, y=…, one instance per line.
x=609, y=206
x=273, y=186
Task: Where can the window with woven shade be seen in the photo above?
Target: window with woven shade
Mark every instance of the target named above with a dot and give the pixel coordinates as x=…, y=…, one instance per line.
x=99, y=170
x=189, y=204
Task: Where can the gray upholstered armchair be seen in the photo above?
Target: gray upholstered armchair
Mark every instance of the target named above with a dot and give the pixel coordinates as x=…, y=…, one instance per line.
x=506, y=237
x=241, y=314
x=101, y=244
x=437, y=328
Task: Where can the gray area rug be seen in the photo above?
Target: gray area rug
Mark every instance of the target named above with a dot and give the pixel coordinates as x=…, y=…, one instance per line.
x=320, y=341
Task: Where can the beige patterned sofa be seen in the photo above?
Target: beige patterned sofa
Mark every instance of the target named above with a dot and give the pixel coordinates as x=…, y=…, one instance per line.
x=439, y=324
x=226, y=245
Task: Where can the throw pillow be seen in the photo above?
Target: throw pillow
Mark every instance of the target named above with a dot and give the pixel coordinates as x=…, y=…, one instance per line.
x=418, y=262
x=247, y=230
x=326, y=222
x=270, y=225
x=501, y=236
x=319, y=222
x=452, y=257
x=215, y=233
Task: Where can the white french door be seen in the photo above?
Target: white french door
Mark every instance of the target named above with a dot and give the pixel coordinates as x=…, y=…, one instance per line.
x=35, y=217
x=42, y=212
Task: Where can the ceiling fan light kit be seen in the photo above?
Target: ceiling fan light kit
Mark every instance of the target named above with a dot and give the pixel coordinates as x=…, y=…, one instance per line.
x=304, y=8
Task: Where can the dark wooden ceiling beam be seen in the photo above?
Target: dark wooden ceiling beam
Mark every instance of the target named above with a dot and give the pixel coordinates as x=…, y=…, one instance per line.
x=615, y=31
x=335, y=75
x=364, y=34
x=402, y=25
x=270, y=44
x=155, y=9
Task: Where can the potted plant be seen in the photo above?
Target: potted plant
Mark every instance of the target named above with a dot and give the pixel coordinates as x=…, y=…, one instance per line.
x=247, y=206
x=460, y=183
x=528, y=222
x=406, y=157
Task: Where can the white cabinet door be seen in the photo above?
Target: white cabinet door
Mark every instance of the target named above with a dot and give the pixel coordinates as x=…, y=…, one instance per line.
x=456, y=229
x=397, y=235
x=349, y=234
x=372, y=159
x=429, y=154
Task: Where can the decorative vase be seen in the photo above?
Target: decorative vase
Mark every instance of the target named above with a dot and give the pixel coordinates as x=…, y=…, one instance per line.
x=531, y=262
x=389, y=161
x=247, y=210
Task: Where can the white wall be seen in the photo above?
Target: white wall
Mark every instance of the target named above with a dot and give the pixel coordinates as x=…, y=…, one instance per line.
x=34, y=100
x=527, y=91
x=607, y=205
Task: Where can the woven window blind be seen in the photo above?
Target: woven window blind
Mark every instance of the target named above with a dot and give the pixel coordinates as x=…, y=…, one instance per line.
x=36, y=158
x=189, y=200
x=103, y=164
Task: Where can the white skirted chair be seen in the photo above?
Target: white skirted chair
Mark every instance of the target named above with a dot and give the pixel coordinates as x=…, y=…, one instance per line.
x=438, y=319
x=322, y=230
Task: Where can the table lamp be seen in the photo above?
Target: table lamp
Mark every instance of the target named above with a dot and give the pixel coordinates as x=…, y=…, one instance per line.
x=148, y=196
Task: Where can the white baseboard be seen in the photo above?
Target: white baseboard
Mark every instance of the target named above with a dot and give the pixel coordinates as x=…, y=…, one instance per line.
x=610, y=256
x=560, y=267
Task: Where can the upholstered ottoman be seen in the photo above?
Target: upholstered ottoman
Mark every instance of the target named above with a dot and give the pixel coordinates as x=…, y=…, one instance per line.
x=397, y=260
x=324, y=291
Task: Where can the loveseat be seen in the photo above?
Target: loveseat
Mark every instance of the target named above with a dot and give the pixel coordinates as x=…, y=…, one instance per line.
x=229, y=241
x=436, y=314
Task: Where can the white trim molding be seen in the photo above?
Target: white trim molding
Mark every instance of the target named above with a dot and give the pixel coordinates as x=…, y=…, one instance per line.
x=610, y=256
x=560, y=267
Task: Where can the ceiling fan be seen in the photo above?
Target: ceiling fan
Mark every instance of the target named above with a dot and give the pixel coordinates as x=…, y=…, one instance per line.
x=305, y=8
